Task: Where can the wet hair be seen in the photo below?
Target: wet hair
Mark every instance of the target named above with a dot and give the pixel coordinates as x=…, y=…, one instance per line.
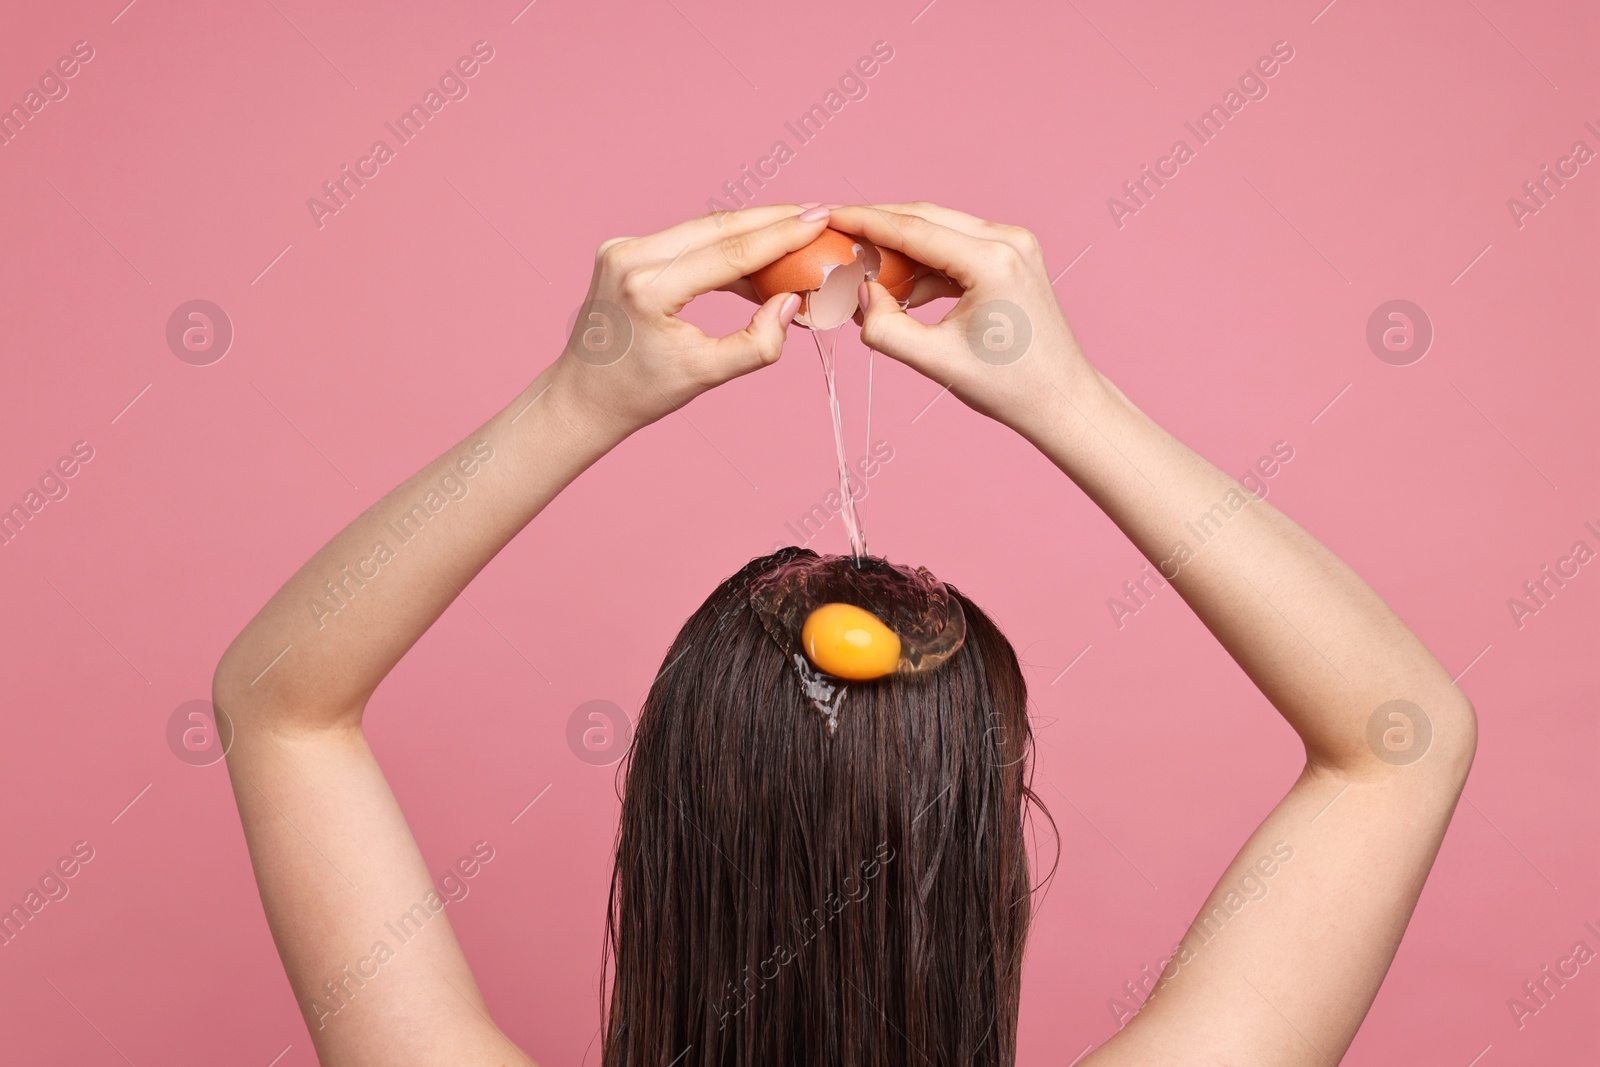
x=785, y=897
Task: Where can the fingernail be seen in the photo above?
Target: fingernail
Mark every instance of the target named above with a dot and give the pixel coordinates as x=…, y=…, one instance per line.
x=811, y=203
x=816, y=214
x=789, y=309
x=863, y=297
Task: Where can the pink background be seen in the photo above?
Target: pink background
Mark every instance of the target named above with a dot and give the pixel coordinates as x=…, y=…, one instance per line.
x=1233, y=308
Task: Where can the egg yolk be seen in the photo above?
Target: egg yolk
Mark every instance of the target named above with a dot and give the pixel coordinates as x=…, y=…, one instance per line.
x=849, y=642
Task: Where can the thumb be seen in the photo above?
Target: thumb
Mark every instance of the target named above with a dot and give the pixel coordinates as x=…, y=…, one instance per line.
x=886, y=328
x=760, y=343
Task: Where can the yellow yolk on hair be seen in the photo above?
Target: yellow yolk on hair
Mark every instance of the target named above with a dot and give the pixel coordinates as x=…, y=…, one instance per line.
x=849, y=642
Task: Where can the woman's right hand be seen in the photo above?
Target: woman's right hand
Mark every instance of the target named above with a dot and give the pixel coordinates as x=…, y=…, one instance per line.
x=631, y=359
x=1005, y=348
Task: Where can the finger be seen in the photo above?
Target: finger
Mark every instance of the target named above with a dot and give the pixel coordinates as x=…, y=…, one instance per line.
x=945, y=216
x=699, y=232
x=731, y=258
x=886, y=328
x=742, y=287
x=930, y=287
x=758, y=344
x=955, y=253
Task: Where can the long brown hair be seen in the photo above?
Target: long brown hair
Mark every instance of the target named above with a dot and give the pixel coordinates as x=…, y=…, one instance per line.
x=782, y=897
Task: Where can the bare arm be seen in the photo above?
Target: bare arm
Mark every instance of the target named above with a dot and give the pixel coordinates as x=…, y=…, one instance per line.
x=1290, y=949
x=1285, y=970
x=338, y=869
x=362, y=932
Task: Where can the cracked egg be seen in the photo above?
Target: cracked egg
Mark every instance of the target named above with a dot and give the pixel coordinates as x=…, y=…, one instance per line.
x=827, y=273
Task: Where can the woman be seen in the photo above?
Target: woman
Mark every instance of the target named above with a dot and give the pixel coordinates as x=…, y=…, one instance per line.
x=886, y=858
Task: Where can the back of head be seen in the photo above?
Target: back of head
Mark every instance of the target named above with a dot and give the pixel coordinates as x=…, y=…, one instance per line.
x=782, y=896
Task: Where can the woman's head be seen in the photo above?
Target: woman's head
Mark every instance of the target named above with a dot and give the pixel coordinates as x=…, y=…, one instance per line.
x=782, y=895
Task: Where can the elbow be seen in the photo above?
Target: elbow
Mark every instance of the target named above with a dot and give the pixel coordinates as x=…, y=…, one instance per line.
x=1436, y=735
x=228, y=701
x=1430, y=737
x=227, y=685
x=236, y=696
x=257, y=693
x=1456, y=736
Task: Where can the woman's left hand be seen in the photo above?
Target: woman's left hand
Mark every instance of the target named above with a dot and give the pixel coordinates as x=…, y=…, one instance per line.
x=631, y=360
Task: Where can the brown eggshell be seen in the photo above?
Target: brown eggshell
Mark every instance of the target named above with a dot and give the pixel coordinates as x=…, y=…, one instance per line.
x=897, y=273
x=827, y=272
x=810, y=272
